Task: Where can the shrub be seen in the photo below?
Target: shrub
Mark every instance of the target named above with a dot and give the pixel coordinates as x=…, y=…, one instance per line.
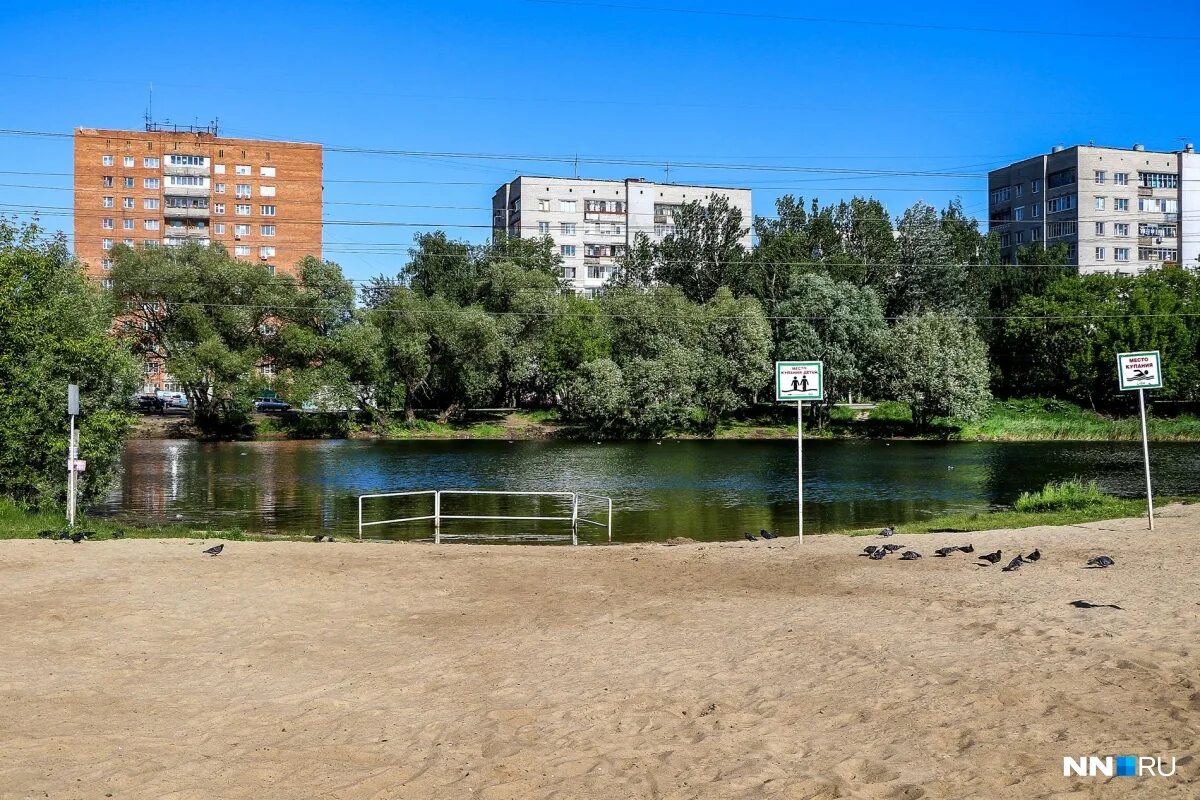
x=1072, y=495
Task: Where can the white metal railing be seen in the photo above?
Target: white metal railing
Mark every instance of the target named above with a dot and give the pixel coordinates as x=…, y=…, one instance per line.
x=437, y=516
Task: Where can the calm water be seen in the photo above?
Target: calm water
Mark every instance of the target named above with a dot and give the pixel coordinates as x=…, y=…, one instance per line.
x=703, y=489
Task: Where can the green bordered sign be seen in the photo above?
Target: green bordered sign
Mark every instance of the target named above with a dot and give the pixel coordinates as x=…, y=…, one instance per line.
x=799, y=380
x=1139, y=371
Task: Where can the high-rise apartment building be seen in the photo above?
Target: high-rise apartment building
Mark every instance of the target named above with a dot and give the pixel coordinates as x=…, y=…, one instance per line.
x=1117, y=210
x=592, y=222
x=162, y=187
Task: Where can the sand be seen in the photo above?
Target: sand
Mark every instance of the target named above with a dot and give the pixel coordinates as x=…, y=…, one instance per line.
x=143, y=669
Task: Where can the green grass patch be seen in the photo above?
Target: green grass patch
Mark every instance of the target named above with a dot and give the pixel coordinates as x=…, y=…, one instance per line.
x=1073, y=495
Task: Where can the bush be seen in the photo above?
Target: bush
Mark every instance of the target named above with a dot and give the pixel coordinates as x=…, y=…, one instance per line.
x=1072, y=495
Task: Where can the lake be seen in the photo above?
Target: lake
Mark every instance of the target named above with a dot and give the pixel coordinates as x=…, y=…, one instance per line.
x=705, y=490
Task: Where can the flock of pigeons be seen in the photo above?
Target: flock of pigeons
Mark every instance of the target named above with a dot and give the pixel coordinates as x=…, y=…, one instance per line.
x=76, y=536
x=879, y=552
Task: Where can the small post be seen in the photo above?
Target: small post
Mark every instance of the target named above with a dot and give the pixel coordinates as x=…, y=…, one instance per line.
x=360, y=517
x=610, y=520
x=72, y=452
x=574, y=518
x=800, y=471
x=437, y=517
x=1146, y=458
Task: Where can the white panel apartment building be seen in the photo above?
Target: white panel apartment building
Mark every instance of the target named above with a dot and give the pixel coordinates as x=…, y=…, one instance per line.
x=1118, y=210
x=593, y=221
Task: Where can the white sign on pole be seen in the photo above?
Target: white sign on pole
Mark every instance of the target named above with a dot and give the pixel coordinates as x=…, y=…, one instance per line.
x=80, y=465
x=1139, y=371
x=799, y=380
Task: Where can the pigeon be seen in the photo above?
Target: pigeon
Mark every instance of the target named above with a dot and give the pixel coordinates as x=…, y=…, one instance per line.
x=1086, y=604
x=45, y=534
x=215, y=551
x=991, y=558
x=119, y=533
x=871, y=548
x=878, y=554
x=888, y=531
x=891, y=548
x=1036, y=555
x=966, y=548
x=1014, y=565
x=766, y=534
x=909, y=555
x=77, y=537
x=1100, y=562
x=750, y=537
x=64, y=535
x=318, y=538
x=942, y=552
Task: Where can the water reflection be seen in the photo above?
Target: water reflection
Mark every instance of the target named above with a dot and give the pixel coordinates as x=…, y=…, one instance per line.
x=705, y=490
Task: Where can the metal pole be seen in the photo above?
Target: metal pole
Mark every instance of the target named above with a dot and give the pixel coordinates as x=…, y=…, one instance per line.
x=1146, y=457
x=574, y=518
x=72, y=454
x=360, y=518
x=799, y=472
x=610, y=520
x=437, y=517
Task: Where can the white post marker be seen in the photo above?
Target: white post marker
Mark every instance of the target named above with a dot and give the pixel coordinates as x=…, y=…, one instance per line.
x=799, y=381
x=72, y=452
x=1141, y=371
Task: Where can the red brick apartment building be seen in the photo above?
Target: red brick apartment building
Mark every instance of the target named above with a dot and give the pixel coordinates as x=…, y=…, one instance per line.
x=164, y=186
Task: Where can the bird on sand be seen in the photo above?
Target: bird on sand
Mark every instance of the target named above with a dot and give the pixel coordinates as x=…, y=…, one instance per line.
x=891, y=548
x=909, y=555
x=750, y=537
x=1100, y=562
x=64, y=535
x=1036, y=555
x=1086, y=604
x=942, y=552
x=1015, y=564
x=215, y=551
x=871, y=548
x=77, y=537
x=991, y=558
x=888, y=531
x=766, y=534
x=878, y=554
x=966, y=548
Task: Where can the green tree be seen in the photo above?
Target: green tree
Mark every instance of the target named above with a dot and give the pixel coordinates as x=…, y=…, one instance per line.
x=938, y=365
x=929, y=277
x=54, y=330
x=705, y=251
x=733, y=349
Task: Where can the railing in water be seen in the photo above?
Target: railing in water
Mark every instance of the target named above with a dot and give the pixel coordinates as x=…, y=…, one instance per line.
x=575, y=519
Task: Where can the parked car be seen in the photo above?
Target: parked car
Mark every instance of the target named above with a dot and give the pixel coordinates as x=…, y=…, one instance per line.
x=173, y=399
x=143, y=402
x=270, y=404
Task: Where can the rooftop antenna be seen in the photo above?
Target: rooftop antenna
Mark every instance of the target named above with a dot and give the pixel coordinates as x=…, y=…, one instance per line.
x=668, y=171
x=576, y=165
x=150, y=108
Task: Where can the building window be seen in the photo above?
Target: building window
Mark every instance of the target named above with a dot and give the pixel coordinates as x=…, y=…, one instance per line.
x=218, y=208
x=1060, y=229
x=241, y=230
x=106, y=223
x=219, y=169
x=1037, y=185
x=106, y=283
x=1064, y=203
x=127, y=224
x=127, y=182
x=1063, y=177
x=1158, y=180
x=1019, y=213
x=219, y=227
x=1020, y=237
x=150, y=224
x=126, y=202
x=567, y=250
x=188, y=161
x=1121, y=253
x=1035, y=210
x=150, y=162
x=220, y=188
x=266, y=172
x=1158, y=231
x=544, y=228
x=1099, y=203
x=543, y=204
x=566, y=206
x=1100, y=178
x=1158, y=205
x=1121, y=228
x=1099, y=228
x=150, y=183
x=107, y=182
x=106, y=161
x=1020, y=189
x=127, y=161
x=267, y=211
x=241, y=169
x=1036, y=235
x=1099, y=253
x=569, y=273
x=998, y=196
x=106, y=263
x=266, y=191
x=1121, y=178
x=567, y=228
x=267, y=230
x=241, y=190
x=242, y=209
x=106, y=202
x=1120, y=204
x=1158, y=254
x=241, y=250
x=128, y=242
x=106, y=244
x=150, y=203
x=266, y=251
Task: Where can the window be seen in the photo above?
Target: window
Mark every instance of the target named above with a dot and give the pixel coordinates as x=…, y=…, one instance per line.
x=106, y=202
x=106, y=263
x=266, y=251
x=1020, y=189
x=218, y=208
x=127, y=161
x=126, y=202
x=241, y=230
x=998, y=196
x=107, y=181
x=267, y=211
x=1099, y=253
x=106, y=223
x=1099, y=203
x=266, y=191
x=219, y=188
x=1100, y=178
x=1020, y=237
x=128, y=224
x=219, y=169
x=1060, y=229
x=1099, y=228
x=219, y=228
x=1121, y=228
x=150, y=162
x=1121, y=253
x=567, y=206
x=186, y=180
x=1056, y=204
x=1158, y=205
x=106, y=283
x=1158, y=254
x=1120, y=204
x=267, y=370
x=567, y=250
x=241, y=190
x=1035, y=210
x=544, y=228
x=567, y=228
x=106, y=244
x=543, y=205
x=1063, y=177
x=1159, y=231
x=266, y=172
x=1121, y=178
x=1037, y=235
x=150, y=183
x=106, y=160
x=150, y=203
x=1158, y=180
x=187, y=161
x=1018, y=213
x=150, y=224
x=241, y=169
x=127, y=182
x=241, y=250
x=266, y=230
x=242, y=209
x=1037, y=185
x=128, y=242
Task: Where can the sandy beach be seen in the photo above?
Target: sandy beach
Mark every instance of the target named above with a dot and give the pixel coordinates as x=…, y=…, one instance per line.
x=143, y=669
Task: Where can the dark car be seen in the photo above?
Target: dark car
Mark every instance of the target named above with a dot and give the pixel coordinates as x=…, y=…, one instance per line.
x=267, y=404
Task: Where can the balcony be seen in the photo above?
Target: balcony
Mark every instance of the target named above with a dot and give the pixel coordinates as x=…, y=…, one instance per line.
x=187, y=191
x=1145, y=191
x=180, y=169
x=186, y=213
x=180, y=241
x=186, y=233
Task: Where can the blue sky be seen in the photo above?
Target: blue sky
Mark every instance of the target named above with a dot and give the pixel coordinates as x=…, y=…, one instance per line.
x=673, y=80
